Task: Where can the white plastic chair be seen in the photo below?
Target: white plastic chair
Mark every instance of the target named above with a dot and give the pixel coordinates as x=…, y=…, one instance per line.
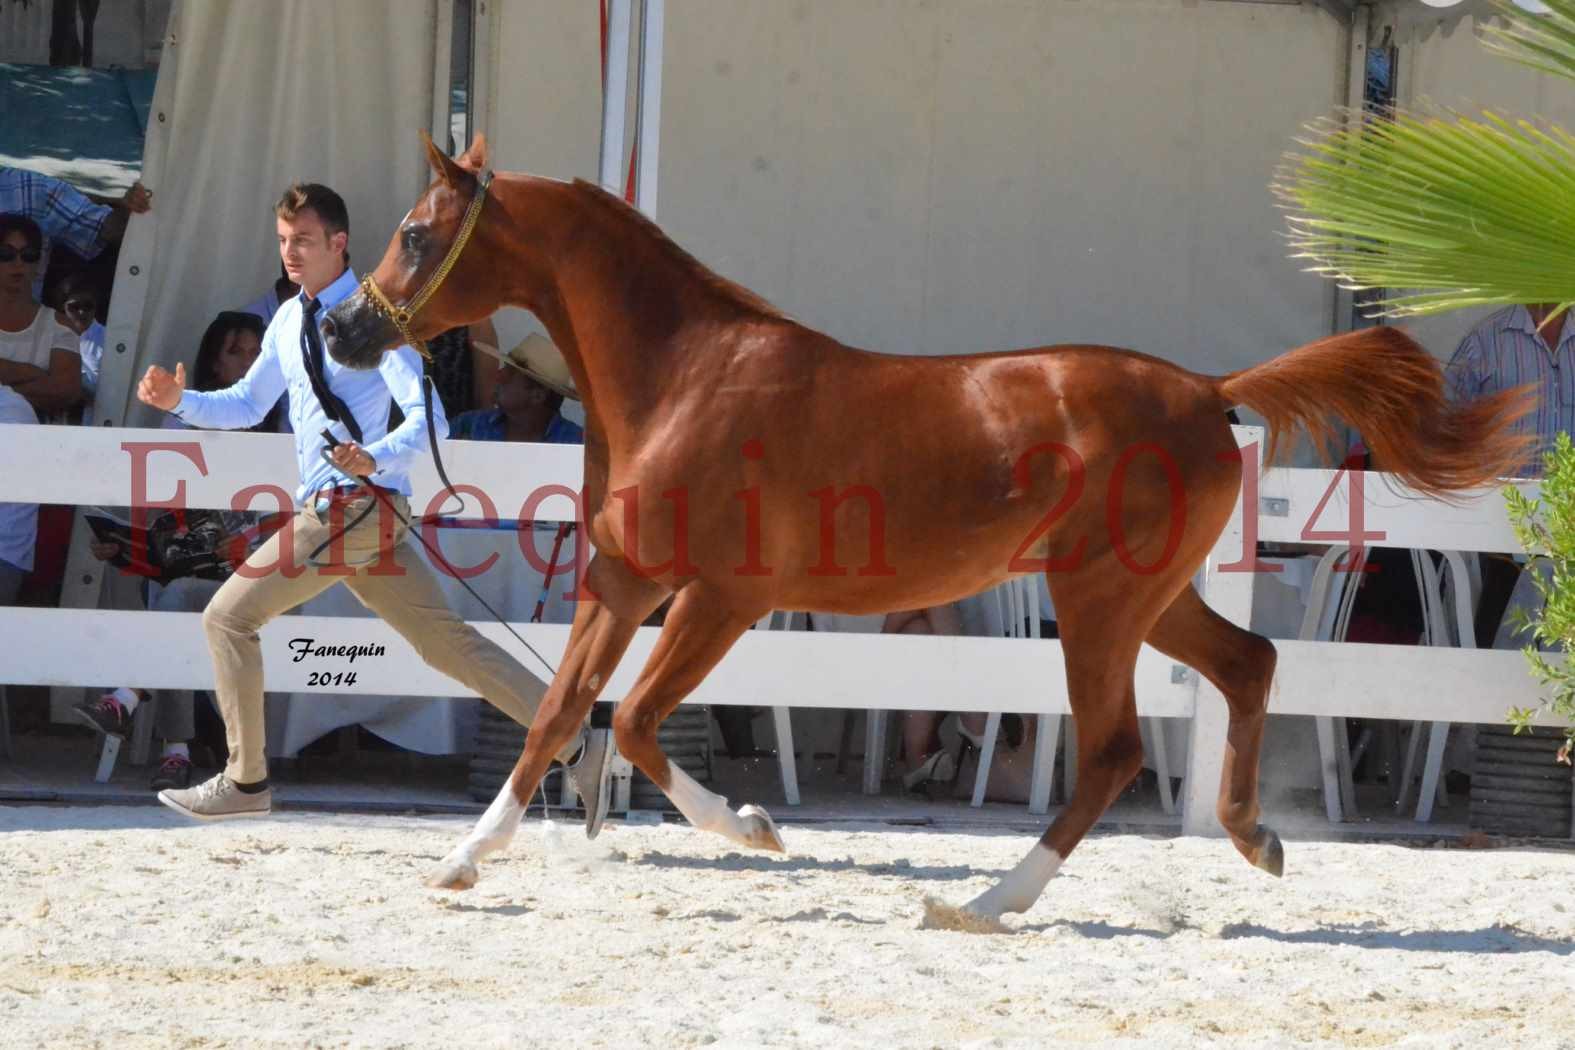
x=1018, y=603
x=1328, y=617
x=1020, y=613
x=1436, y=618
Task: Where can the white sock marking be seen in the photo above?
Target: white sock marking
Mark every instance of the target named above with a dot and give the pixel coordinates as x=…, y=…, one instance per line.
x=496, y=828
x=1020, y=887
x=700, y=807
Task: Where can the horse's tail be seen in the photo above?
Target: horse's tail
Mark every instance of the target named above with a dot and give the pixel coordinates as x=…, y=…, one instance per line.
x=1380, y=381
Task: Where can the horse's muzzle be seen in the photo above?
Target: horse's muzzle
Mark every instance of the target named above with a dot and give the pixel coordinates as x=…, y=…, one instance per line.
x=355, y=335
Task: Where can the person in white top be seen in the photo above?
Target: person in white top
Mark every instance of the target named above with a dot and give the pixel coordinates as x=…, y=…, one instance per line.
x=39, y=356
x=18, y=521
x=79, y=312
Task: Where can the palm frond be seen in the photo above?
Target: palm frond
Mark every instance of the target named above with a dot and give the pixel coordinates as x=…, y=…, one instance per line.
x=1439, y=209
x=1542, y=41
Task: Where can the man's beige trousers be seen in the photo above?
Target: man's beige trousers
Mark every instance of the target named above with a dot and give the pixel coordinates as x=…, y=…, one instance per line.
x=389, y=577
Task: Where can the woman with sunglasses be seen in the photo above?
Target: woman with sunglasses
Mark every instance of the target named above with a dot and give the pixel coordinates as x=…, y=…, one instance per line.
x=39, y=357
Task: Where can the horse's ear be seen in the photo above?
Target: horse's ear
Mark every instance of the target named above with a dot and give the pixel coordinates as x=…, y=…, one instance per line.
x=475, y=158
x=446, y=169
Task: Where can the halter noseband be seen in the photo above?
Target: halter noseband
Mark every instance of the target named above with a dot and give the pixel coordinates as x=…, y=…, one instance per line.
x=403, y=316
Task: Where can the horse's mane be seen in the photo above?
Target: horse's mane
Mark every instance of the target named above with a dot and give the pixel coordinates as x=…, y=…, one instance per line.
x=620, y=210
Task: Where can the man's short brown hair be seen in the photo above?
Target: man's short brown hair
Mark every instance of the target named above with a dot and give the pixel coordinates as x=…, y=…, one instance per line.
x=314, y=196
x=327, y=205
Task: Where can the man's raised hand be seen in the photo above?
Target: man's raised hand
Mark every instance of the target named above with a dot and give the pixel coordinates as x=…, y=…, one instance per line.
x=162, y=390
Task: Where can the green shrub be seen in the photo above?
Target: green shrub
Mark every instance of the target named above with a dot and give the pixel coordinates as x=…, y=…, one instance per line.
x=1546, y=529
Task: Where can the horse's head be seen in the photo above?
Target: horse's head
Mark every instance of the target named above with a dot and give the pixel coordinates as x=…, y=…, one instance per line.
x=432, y=277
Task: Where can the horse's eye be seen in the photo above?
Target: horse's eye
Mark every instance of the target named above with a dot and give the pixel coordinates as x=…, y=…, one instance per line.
x=412, y=239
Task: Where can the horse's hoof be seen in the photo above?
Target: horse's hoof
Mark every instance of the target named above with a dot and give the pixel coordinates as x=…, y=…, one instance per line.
x=760, y=831
x=1269, y=855
x=454, y=875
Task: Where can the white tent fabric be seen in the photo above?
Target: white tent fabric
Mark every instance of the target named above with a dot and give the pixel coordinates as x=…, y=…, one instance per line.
x=252, y=97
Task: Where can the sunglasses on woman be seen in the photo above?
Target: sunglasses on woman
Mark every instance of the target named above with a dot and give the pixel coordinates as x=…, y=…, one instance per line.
x=27, y=255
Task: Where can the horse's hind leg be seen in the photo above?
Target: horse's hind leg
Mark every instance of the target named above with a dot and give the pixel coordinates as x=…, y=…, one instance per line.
x=601, y=633
x=699, y=630
x=1105, y=612
x=1241, y=665
x=1109, y=754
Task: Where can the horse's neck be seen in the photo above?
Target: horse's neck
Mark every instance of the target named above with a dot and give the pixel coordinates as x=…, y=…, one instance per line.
x=596, y=264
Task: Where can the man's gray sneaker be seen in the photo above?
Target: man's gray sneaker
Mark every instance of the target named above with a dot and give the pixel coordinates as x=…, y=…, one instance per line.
x=217, y=799
x=590, y=773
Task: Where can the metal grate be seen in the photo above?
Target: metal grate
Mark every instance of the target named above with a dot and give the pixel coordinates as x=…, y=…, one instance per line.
x=1517, y=788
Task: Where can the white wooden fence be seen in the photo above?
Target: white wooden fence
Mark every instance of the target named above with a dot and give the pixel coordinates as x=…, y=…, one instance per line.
x=84, y=646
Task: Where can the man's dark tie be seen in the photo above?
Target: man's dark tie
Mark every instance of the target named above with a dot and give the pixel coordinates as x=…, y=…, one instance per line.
x=312, y=356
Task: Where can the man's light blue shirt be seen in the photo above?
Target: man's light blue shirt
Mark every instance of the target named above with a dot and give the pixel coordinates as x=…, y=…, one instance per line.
x=280, y=369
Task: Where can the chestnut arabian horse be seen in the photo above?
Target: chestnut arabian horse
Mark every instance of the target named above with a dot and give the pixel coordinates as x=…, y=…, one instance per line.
x=742, y=462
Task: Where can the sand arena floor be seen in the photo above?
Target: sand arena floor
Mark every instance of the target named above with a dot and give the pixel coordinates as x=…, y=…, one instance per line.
x=122, y=927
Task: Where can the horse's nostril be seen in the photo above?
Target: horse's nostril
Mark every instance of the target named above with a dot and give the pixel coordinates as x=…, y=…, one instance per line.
x=329, y=329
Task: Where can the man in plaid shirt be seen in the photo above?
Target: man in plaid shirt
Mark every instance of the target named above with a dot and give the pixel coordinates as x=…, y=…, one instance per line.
x=1519, y=345
x=80, y=222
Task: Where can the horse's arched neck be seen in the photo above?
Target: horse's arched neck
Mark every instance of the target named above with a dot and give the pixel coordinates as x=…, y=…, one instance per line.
x=606, y=289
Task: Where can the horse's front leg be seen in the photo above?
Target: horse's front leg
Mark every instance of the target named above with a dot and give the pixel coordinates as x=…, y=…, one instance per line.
x=601, y=633
x=493, y=832
x=699, y=630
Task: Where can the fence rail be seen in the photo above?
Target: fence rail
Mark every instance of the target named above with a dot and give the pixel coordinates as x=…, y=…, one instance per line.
x=86, y=466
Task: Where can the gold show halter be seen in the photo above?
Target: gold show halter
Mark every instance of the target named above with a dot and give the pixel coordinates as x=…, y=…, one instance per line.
x=403, y=316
